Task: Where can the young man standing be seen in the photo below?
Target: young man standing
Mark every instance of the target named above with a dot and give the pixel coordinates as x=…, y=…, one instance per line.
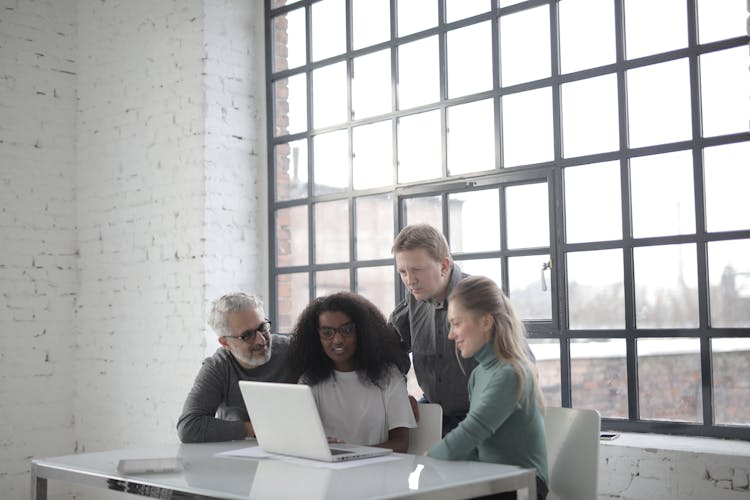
x=427, y=270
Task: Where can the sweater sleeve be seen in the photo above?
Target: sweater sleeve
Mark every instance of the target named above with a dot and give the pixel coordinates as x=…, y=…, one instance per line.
x=488, y=412
x=198, y=423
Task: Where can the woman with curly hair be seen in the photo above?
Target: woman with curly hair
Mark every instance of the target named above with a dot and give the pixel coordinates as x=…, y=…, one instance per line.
x=348, y=354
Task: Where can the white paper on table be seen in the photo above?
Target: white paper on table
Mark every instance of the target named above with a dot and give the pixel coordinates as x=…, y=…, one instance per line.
x=256, y=452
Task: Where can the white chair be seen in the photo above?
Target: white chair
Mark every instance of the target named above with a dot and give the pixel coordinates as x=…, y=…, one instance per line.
x=429, y=429
x=572, y=453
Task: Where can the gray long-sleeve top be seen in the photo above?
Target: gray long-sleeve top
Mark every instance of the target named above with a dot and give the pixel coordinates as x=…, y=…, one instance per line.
x=214, y=409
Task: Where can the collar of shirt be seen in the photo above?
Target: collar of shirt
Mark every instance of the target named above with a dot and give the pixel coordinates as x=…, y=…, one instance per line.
x=456, y=275
x=486, y=355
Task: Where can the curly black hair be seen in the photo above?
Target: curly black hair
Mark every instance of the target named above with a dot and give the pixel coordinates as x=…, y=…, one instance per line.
x=377, y=342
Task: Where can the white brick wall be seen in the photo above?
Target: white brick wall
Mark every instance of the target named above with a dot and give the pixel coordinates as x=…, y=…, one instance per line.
x=140, y=198
x=236, y=226
x=38, y=279
x=652, y=467
x=110, y=189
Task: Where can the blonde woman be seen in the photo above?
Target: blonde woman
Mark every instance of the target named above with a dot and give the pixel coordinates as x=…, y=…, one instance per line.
x=504, y=424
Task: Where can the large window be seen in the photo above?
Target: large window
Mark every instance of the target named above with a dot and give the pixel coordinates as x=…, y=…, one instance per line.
x=591, y=156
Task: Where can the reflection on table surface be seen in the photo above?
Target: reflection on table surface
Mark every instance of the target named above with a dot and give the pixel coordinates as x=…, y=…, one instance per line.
x=234, y=477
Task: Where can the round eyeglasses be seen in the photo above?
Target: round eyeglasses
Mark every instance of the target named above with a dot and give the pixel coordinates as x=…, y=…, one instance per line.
x=249, y=335
x=346, y=330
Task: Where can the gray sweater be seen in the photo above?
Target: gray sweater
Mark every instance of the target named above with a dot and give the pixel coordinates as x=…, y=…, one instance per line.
x=214, y=409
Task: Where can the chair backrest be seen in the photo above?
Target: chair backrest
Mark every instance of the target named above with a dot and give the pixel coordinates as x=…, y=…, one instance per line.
x=572, y=453
x=429, y=429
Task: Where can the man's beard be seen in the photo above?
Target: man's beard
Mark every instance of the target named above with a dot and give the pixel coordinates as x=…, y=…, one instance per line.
x=254, y=361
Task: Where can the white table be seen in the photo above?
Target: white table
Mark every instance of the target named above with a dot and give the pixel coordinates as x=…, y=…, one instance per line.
x=207, y=476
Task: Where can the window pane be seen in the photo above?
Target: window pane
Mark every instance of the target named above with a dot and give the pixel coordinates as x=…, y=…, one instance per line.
x=527, y=210
x=547, y=354
x=724, y=83
x=669, y=379
x=590, y=117
x=593, y=211
x=292, y=295
x=328, y=29
x=291, y=236
x=331, y=162
x=372, y=147
x=416, y=15
x=469, y=75
x=720, y=20
x=663, y=196
x=328, y=282
x=483, y=267
x=418, y=73
x=291, y=170
x=419, y=148
x=524, y=46
x=471, y=137
x=596, y=291
x=653, y=27
x=729, y=282
x=289, y=40
x=598, y=376
x=727, y=176
x=371, y=22
x=425, y=209
x=374, y=226
x=474, y=221
x=329, y=95
x=659, y=103
x=290, y=105
x=461, y=9
x=587, y=34
x=332, y=240
x=529, y=292
x=731, y=364
x=376, y=283
x=527, y=127
x=371, y=85
x=666, y=289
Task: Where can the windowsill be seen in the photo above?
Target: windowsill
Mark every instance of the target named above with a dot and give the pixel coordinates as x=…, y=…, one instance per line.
x=662, y=442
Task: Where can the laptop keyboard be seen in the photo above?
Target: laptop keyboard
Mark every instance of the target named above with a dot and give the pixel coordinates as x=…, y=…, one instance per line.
x=336, y=451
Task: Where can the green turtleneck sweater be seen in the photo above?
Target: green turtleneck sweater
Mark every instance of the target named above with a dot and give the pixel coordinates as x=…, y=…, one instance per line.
x=496, y=430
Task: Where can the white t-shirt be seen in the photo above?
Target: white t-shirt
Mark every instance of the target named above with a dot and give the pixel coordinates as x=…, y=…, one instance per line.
x=362, y=413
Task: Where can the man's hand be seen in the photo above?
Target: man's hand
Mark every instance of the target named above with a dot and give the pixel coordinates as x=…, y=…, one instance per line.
x=414, y=407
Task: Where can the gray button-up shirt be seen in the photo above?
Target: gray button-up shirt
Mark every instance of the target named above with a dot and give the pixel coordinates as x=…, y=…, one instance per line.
x=423, y=327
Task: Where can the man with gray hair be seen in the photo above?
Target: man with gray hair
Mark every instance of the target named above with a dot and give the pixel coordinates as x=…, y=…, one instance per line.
x=214, y=409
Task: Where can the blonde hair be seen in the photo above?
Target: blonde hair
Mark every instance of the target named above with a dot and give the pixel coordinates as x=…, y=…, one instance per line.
x=480, y=295
x=422, y=236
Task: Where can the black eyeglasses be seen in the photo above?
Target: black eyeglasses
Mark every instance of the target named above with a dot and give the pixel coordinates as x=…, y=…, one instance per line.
x=249, y=335
x=346, y=330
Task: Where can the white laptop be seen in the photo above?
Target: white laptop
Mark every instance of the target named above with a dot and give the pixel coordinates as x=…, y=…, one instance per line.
x=286, y=421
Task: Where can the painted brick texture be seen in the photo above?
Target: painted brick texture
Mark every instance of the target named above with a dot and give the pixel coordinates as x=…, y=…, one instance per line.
x=629, y=473
x=105, y=275
x=38, y=279
x=140, y=218
x=235, y=158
